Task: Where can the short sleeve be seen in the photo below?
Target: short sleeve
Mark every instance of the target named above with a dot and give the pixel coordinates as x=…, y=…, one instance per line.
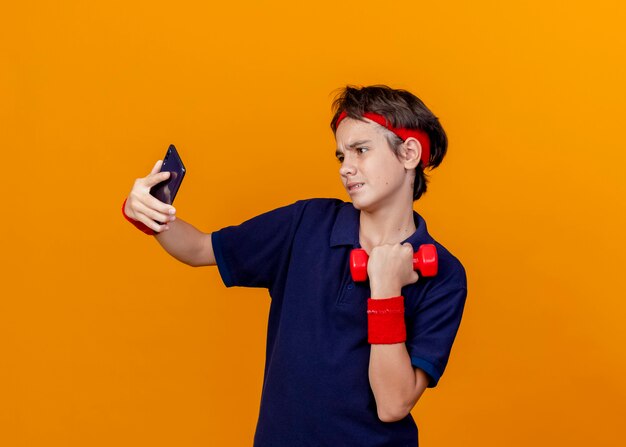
x=434, y=324
x=254, y=253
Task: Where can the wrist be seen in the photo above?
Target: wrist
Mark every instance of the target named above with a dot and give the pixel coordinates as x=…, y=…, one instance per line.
x=139, y=225
x=383, y=291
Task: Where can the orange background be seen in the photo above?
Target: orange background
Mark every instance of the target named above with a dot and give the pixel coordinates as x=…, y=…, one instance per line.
x=107, y=340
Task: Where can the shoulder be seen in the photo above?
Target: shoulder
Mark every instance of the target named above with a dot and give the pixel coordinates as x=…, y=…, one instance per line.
x=306, y=206
x=303, y=214
x=443, y=294
x=319, y=203
x=447, y=287
x=451, y=271
x=321, y=207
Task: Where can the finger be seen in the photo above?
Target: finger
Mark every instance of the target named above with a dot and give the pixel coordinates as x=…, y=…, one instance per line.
x=151, y=223
x=141, y=195
x=408, y=244
x=153, y=213
x=152, y=202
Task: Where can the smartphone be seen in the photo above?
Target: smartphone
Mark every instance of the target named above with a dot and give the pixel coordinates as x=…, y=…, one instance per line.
x=167, y=189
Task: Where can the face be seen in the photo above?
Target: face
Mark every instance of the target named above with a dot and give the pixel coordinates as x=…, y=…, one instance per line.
x=371, y=173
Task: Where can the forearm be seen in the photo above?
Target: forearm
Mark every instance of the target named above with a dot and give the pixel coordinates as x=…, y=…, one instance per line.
x=183, y=241
x=392, y=379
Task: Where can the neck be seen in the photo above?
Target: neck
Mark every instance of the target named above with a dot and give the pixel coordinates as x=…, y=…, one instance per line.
x=390, y=225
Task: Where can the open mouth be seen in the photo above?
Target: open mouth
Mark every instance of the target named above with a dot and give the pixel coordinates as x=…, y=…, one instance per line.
x=355, y=187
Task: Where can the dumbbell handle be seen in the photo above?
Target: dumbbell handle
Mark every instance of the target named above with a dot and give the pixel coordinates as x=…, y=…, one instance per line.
x=424, y=259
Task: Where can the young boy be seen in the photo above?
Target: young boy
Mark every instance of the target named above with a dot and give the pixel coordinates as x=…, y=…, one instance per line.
x=346, y=361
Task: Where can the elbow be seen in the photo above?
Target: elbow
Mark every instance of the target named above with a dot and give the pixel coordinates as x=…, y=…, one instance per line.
x=396, y=411
x=189, y=262
x=394, y=414
x=193, y=262
x=391, y=416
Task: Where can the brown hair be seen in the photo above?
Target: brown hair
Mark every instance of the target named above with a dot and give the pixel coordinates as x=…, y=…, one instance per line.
x=402, y=109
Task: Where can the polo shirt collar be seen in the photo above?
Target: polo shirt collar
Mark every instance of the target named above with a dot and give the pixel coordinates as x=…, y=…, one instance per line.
x=346, y=229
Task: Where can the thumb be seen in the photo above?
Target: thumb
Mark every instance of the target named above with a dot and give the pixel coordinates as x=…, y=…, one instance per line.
x=157, y=167
x=157, y=177
x=416, y=277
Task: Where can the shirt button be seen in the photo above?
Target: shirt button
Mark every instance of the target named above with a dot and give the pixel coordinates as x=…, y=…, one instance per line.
x=350, y=286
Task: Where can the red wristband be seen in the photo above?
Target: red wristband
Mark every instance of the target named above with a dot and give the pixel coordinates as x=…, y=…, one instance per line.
x=143, y=227
x=385, y=320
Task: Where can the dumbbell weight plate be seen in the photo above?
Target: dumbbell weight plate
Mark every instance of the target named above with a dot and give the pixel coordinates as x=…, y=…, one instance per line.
x=426, y=260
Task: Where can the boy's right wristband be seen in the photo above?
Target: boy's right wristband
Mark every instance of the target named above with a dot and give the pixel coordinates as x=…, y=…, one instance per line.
x=143, y=227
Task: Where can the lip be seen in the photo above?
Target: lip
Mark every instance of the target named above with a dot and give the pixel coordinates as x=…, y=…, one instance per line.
x=351, y=184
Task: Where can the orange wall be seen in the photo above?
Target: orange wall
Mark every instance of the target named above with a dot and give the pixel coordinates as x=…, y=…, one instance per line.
x=106, y=340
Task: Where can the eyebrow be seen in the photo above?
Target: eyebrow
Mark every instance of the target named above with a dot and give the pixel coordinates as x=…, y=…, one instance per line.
x=352, y=146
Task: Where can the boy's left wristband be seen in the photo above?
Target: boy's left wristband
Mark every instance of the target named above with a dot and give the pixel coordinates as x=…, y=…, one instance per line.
x=141, y=226
x=385, y=320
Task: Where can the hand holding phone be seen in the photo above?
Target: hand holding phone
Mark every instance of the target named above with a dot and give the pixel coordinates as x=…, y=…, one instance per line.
x=150, y=200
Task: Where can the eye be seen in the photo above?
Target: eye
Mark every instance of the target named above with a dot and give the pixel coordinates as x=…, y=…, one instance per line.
x=340, y=158
x=361, y=149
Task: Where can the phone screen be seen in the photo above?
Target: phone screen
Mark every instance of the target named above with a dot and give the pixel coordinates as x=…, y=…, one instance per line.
x=167, y=189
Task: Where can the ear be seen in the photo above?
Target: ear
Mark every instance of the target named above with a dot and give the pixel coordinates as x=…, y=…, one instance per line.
x=411, y=153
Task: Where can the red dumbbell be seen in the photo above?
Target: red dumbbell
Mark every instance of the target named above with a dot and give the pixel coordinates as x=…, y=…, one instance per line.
x=425, y=260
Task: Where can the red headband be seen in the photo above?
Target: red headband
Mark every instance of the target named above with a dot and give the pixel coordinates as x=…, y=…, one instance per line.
x=402, y=132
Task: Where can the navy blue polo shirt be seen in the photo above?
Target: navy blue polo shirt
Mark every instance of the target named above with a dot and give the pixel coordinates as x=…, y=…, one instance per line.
x=316, y=389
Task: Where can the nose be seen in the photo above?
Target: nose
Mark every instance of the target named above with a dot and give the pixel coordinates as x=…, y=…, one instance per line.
x=347, y=167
